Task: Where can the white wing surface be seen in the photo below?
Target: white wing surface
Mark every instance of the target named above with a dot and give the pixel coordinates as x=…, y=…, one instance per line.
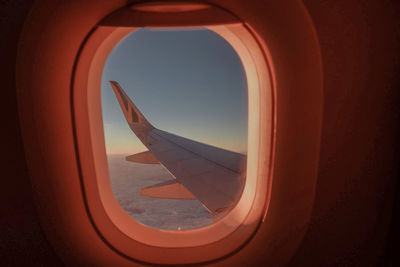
x=212, y=175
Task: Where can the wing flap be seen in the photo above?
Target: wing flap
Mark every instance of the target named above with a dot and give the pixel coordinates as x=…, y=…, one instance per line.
x=144, y=157
x=168, y=190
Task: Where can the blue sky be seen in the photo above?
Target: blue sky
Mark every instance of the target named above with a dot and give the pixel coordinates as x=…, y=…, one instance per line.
x=187, y=82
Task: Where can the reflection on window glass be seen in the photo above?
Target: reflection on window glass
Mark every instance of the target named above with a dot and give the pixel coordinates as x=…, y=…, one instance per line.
x=174, y=104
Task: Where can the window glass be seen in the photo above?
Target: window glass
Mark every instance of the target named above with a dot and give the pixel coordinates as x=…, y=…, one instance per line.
x=190, y=85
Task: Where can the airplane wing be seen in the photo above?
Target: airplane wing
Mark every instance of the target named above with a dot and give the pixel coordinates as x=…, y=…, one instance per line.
x=212, y=175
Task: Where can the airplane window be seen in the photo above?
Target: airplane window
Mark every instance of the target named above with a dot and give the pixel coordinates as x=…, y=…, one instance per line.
x=175, y=109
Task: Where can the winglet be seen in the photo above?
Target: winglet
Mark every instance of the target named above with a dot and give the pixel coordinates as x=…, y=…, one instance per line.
x=131, y=112
x=136, y=121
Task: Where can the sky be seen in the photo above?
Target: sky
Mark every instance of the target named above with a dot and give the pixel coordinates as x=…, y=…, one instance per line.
x=187, y=82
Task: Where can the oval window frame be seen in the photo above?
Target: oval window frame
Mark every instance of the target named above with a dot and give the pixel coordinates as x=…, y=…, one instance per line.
x=111, y=221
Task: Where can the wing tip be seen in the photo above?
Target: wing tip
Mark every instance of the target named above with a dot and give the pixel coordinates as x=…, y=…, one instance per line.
x=113, y=84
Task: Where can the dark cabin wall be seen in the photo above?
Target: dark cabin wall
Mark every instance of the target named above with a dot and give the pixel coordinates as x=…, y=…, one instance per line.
x=22, y=241
x=358, y=170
